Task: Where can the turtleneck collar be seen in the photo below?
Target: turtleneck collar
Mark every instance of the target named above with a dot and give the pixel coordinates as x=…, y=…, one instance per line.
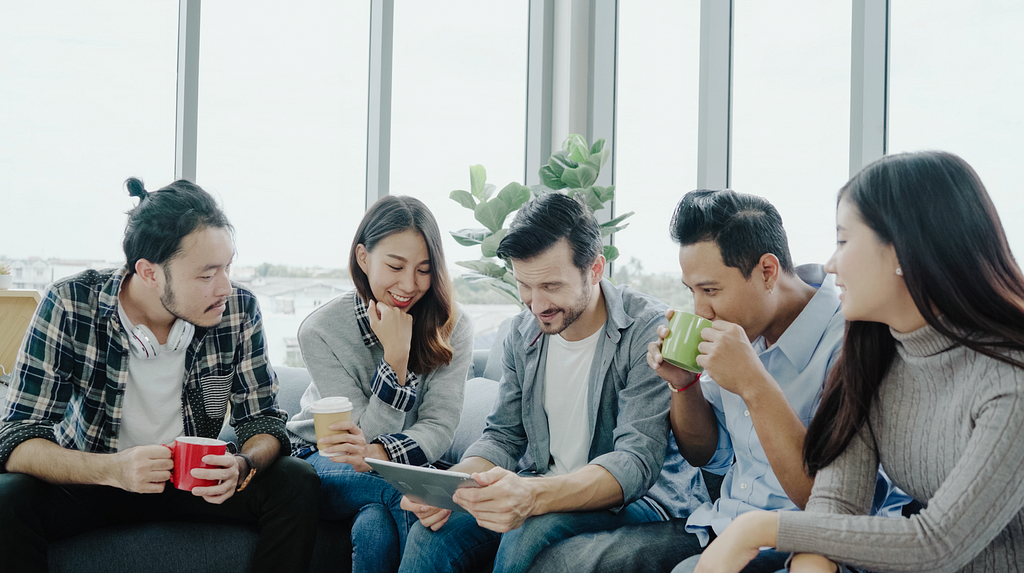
x=925, y=341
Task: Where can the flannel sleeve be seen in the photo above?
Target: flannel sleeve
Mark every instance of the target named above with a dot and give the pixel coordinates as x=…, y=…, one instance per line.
x=254, y=393
x=40, y=386
x=402, y=449
x=386, y=388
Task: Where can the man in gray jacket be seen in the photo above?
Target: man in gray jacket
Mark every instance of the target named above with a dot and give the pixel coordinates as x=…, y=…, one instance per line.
x=576, y=396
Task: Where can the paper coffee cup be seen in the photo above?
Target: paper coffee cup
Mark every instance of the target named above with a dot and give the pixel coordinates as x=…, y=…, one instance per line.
x=680, y=348
x=327, y=411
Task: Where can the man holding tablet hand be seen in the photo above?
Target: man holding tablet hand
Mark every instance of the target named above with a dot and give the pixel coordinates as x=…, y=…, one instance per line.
x=576, y=395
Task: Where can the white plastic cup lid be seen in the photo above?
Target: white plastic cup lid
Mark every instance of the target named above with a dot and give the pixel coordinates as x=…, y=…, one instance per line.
x=331, y=405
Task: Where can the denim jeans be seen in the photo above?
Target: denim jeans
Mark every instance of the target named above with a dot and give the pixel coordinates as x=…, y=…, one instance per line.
x=767, y=561
x=463, y=546
x=659, y=547
x=379, y=525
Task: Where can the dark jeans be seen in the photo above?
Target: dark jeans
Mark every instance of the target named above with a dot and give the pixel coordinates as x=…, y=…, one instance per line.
x=281, y=501
x=660, y=546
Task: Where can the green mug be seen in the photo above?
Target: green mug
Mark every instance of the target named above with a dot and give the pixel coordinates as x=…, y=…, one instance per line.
x=680, y=347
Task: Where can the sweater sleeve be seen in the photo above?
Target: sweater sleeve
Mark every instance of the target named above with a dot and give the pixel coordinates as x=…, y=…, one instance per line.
x=974, y=503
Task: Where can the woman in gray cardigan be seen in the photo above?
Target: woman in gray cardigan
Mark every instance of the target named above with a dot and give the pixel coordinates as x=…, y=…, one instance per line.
x=398, y=347
x=930, y=385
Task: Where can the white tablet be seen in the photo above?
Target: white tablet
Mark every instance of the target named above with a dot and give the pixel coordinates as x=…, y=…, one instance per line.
x=424, y=485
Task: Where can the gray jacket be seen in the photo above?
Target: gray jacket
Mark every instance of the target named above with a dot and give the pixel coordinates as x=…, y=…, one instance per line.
x=628, y=407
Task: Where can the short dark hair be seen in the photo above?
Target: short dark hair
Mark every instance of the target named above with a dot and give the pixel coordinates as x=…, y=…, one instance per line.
x=163, y=218
x=544, y=220
x=745, y=227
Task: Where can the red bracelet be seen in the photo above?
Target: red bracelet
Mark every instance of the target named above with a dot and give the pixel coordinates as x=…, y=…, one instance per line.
x=684, y=388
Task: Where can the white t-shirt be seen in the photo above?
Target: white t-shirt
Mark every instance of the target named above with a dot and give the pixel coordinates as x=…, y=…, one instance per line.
x=566, y=389
x=151, y=411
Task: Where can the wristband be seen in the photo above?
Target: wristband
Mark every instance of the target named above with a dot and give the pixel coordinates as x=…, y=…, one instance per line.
x=684, y=388
x=252, y=471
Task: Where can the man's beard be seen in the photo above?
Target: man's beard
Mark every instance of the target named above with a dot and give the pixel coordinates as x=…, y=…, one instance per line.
x=571, y=314
x=170, y=304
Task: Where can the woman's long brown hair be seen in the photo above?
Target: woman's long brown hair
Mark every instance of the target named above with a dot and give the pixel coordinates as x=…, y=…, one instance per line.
x=957, y=264
x=434, y=316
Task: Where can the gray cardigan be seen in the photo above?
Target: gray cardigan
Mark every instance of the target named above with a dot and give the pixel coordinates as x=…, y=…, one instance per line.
x=628, y=406
x=949, y=430
x=341, y=364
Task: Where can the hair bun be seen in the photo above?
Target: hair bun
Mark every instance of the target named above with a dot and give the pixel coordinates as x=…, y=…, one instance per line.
x=136, y=188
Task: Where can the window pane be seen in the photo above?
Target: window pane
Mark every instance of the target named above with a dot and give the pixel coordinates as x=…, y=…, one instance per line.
x=791, y=114
x=459, y=99
x=86, y=101
x=282, y=143
x=657, y=96
x=956, y=83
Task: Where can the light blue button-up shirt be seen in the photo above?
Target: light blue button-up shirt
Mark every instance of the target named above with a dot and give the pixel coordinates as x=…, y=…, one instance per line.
x=799, y=362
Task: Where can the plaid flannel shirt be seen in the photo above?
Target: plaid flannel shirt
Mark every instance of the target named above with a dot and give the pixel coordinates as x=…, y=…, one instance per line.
x=399, y=447
x=71, y=372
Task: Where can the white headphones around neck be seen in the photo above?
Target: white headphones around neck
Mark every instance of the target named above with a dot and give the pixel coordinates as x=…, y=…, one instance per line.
x=143, y=343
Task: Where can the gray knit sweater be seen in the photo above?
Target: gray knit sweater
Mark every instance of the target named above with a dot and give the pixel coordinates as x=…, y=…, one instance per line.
x=341, y=364
x=949, y=425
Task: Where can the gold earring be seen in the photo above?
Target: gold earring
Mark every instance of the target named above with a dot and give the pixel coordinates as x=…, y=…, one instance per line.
x=899, y=271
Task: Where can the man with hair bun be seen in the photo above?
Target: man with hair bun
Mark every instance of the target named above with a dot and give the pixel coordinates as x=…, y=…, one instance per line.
x=117, y=363
x=577, y=403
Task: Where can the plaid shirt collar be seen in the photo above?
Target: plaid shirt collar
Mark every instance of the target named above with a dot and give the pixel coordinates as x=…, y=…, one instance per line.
x=369, y=338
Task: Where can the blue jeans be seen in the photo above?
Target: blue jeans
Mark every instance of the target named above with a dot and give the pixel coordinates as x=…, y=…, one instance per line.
x=463, y=546
x=767, y=561
x=379, y=526
x=659, y=547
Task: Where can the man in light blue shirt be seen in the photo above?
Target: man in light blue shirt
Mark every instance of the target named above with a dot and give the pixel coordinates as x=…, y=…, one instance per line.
x=775, y=333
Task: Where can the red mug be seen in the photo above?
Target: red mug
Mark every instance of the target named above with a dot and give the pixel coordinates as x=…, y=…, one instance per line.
x=187, y=453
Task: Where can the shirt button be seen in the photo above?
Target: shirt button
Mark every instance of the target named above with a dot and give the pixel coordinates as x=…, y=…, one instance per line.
x=743, y=486
x=746, y=413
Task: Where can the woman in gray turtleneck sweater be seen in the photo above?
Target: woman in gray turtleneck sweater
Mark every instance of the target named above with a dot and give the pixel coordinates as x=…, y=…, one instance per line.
x=930, y=384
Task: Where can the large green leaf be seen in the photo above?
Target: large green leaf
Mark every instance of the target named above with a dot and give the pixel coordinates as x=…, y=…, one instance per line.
x=559, y=162
x=610, y=252
x=489, y=248
x=514, y=195
x=510, y=279
x=489, y=191
x=463, y=198
x=597, y=147
x=582, y=176
x=507, y=291
x=470, y=237
x=477, y=180
x=484, y=267
x=606, y=193
x=617, y=220
x=591, y=197
x=549, y=179
x=577, y=147
x=492, y=214
x=600, y=158
x=605, y=231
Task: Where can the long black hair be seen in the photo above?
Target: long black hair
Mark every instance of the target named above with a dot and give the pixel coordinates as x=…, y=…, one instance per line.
x=957, y=265
x=163, y=218
x=434, y=316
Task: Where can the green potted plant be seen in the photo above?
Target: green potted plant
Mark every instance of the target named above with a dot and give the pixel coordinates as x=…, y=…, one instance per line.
x=571, y=170
x=6, y=279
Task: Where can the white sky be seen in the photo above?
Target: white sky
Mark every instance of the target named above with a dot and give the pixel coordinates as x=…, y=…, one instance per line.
x=87, y=100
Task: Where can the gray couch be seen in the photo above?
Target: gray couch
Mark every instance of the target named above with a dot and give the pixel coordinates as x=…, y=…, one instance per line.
x=199, y=547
